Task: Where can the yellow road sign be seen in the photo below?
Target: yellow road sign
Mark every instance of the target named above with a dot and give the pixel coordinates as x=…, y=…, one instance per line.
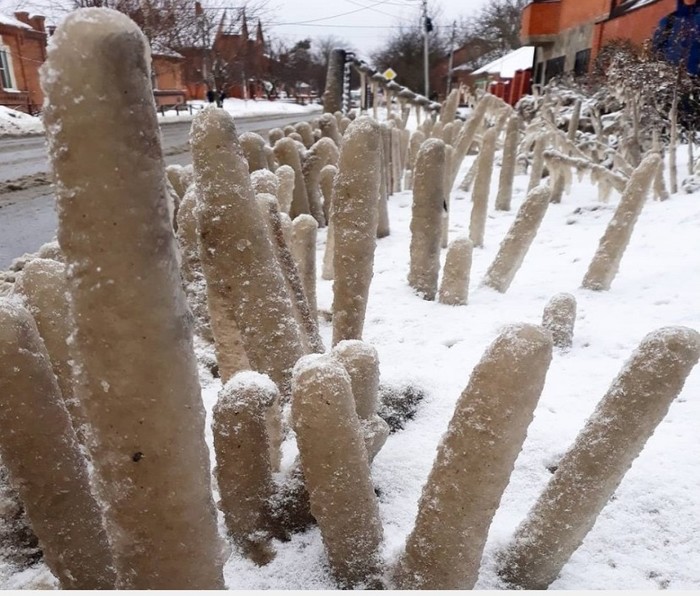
x=389, y=73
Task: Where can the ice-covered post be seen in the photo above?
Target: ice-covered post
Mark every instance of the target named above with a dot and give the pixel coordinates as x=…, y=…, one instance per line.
x=287, y=155
x=333, y=94
x=304, y=229
x=321, y=154
x=574, y=121
x=510, y=150
x=328, y=175
x=414, y=144
x=449, y=107
x=466, y=136
x=606, y=262
x=482, y=187
x=474, y=462
x=253, y=146
x=338, y=477
x=287, y=181
x=361, y=362
x=447, y=204
x=329, y=128
x=673, y=143
x=137, y=374
x=454, y=287
x=306, y=133
x=559, y=318
x=604, y=450
x=517, y=241
x=41, y=452
x=238, y=255
x=191, y=267
x=243, y=469
x=43, y=283
x=265, y=182
x=281, y=233
x=355, y=220
x=383, y=223
x=274, y=135
x=537, y=162
x=396, y=166
x=326, y=180
x=448, y=133
x=426, y=218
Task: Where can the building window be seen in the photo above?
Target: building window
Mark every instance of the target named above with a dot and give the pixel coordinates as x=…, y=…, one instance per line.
x=581, y=63
x=6, y=69
x=554, y=68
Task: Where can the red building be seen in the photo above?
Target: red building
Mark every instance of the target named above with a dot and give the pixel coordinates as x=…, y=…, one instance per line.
x=22, y=52
x=166, y=72
x=232, y=61
x=568, y=34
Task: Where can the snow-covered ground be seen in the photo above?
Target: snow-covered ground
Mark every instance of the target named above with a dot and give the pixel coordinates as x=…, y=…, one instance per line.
x=245, y=108
x=16, y=123
x=647, y=537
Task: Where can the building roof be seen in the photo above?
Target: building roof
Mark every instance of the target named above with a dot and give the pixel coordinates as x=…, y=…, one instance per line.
x=505, y=66
x=13, y=22
x=158, y=49
x=628, y=5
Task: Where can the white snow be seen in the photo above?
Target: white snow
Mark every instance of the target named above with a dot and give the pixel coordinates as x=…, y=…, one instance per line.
x=13, y=22
x=246, y=108
x=647, y=536
x=16, y=123
x=505, y=66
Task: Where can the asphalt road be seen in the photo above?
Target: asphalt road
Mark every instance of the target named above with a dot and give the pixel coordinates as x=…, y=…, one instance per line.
x=27, y=216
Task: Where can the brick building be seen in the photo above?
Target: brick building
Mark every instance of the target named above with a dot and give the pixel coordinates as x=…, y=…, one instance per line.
x=233, y=55
x=167, y=76
x=462, y=60
x=568, y=34
x=508, y=77
x=22, y=52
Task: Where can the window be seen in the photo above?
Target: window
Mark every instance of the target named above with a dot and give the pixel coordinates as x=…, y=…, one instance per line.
x=554, y=68
x=6, y=69
x=581, y=63
x=538, y=72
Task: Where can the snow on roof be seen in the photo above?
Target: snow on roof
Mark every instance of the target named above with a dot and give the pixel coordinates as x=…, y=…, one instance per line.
x=631, y=4
x=158, y=49
x=13, y=22
x=506, y=66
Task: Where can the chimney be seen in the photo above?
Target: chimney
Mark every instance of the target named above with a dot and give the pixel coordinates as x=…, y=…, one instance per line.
x=37, y=22
x=23, y=17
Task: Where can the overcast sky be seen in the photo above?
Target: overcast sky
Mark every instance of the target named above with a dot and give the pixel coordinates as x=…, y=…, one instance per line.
x=364, y=23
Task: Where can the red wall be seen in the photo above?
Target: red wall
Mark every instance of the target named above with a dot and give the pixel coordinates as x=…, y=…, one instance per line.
x=576, y=12
x=638, y=25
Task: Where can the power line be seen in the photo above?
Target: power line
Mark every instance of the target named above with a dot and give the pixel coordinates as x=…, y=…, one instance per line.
x=388, y=14
x=342, y=14
x=396, y=27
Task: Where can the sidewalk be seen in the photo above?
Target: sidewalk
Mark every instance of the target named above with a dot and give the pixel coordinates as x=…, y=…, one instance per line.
x=18, y=124
x=245, y=109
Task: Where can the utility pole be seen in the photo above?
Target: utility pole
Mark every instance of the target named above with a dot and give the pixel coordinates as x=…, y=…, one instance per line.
x=452, y=55
x=427, y=28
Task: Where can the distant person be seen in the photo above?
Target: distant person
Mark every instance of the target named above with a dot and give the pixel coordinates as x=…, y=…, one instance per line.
x=677, y=38
x=220, y=100
x=211, y=96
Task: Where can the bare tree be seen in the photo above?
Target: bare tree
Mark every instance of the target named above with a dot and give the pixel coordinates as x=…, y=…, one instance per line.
x=493, y=31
